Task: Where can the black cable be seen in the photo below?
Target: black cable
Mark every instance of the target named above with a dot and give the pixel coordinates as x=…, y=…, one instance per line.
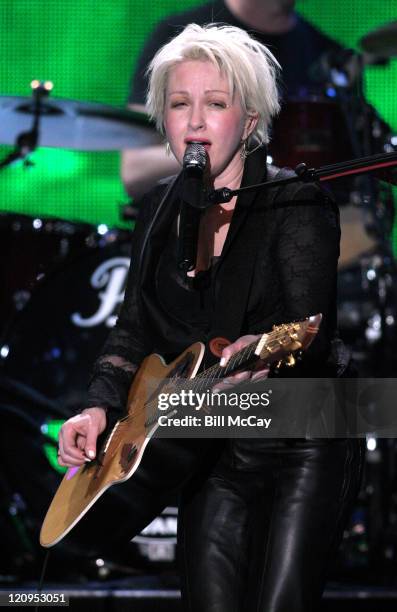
x=43, y=571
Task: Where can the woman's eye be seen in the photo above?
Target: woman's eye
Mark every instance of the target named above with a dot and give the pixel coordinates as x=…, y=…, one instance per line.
x=178, y=104
x=218, y=104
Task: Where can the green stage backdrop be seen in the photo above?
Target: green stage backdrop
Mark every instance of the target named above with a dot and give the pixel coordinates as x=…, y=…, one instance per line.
x=88, y=49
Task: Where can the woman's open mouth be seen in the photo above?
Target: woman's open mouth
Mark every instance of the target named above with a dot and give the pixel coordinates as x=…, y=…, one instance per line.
x=206, y=143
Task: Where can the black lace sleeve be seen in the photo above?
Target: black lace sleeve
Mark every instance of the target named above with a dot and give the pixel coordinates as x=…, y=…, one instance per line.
x=125, y=347
x=307, y=256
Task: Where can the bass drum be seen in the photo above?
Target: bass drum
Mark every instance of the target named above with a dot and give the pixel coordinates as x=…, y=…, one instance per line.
x=47, y=354
x=29, y=479
x=52, y=343
x=31, y=247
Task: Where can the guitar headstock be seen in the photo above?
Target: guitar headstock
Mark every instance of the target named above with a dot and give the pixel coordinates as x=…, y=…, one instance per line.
x=286, y=339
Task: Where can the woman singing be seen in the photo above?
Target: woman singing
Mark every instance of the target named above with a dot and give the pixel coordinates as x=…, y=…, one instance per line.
x=260, y=524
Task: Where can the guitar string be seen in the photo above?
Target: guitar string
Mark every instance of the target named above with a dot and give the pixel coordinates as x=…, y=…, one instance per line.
x=216, y=372
x=208, y=376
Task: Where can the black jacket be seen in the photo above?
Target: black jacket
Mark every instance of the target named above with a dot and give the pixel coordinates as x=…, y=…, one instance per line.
x=292, y=275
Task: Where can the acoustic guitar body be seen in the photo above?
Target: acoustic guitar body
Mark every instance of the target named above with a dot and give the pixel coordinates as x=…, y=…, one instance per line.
x=121, y=454
x=166, y=464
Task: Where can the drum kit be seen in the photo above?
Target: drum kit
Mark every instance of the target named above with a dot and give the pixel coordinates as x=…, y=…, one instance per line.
x=63, y=281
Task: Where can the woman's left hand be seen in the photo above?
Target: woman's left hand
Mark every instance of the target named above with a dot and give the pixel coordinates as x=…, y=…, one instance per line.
x=260, y=370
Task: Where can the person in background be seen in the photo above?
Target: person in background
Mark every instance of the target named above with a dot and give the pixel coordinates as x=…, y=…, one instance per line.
x=295, y=43
x=258, y=526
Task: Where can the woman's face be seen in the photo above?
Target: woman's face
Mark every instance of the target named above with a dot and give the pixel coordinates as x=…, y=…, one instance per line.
x=200, y=107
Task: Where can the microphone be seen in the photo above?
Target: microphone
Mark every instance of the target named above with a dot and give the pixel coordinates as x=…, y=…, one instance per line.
x=194, y=163
x=195, y=156
x=193, y=201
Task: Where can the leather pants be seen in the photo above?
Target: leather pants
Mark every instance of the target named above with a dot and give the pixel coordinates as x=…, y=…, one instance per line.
x=257, y=534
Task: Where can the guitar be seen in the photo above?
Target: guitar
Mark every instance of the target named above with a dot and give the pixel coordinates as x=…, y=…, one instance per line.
x=123, y=450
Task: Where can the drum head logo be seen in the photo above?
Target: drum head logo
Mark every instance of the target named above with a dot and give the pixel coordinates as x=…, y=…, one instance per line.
x=109, y=281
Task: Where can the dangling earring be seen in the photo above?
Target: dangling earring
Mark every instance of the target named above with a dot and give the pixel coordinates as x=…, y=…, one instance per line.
x=167, y=149
x=243, y=152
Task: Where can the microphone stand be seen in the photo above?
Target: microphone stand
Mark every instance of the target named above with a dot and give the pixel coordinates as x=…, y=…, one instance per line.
x=363, y=165
x=26, y=142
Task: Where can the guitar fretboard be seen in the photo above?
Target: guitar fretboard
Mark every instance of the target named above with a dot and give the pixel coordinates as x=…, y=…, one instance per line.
x=279, y=338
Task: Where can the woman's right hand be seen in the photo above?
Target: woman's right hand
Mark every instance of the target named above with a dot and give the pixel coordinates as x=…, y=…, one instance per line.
x=78, y=437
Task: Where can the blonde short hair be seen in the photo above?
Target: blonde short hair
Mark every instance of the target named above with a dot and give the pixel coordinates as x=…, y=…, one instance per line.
x=249, y=66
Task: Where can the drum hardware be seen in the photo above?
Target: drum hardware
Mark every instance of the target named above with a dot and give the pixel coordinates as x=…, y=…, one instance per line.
x=369, y=546
x=342, y=68
x=27, y=141
x=59, y=129
x=367, y=299
x=368, y=133
x=39, y=121
x=381, y=472
x=32, y=247
x=382, y=41
x=15, y=536
x=367, y=312
x=68, y=317
x=69, y=124
x=22, y=297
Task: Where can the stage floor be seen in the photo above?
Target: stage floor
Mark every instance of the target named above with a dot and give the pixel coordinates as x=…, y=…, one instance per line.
x=154, y=594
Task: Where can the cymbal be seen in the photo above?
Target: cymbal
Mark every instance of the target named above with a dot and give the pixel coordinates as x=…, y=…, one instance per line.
x=69, y=124
x=382, y=41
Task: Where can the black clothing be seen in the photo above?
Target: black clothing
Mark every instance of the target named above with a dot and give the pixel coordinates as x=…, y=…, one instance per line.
x=294, y=277
x=259, y=519
x=259, y=534
x=295, y=50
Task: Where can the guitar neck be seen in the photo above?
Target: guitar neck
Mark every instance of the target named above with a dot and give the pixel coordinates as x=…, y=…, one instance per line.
x=270, y=348
x=277, y=346
x=245, y=357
